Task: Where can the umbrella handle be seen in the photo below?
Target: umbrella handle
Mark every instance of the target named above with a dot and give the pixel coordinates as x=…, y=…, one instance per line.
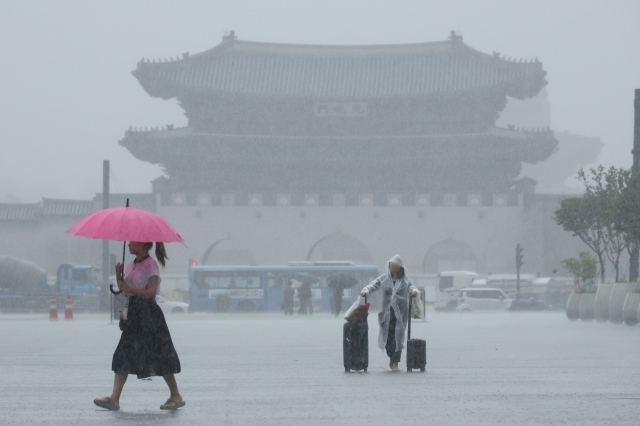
x=124, y=246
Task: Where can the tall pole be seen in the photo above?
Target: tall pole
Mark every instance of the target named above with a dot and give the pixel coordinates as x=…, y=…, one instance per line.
x=519, y=264
x=635, y=249
x=105, y=243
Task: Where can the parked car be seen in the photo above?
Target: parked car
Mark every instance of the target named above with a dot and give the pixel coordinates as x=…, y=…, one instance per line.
x=482, y=299
x=169, y=307
x=529, y=301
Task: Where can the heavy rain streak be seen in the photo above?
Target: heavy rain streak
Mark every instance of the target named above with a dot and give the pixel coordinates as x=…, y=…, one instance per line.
x=304, y=212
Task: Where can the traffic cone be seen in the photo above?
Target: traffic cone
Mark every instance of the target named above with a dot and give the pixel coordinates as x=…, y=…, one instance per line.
x=53, y=309
x=68, y=310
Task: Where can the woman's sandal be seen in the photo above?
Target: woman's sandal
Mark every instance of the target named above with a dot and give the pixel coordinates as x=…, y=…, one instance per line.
x=172, y=404
x=109, y=404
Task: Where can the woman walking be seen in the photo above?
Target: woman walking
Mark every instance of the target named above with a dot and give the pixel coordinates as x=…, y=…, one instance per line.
x=394, y=315
x=145, y=347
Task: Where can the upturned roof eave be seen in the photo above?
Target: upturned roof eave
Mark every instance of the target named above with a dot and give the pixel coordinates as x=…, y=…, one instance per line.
x=147, y=72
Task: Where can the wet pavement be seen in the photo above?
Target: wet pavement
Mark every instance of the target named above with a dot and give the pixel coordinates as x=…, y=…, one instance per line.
x=266, y=369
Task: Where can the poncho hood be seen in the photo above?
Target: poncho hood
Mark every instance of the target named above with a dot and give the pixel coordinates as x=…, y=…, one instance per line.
x=398, y=261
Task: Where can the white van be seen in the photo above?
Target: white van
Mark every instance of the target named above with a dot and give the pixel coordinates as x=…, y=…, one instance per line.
x=449, y=284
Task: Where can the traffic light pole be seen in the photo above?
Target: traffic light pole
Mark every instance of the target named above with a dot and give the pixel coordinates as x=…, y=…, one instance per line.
x=519, y=264
x=518, y=285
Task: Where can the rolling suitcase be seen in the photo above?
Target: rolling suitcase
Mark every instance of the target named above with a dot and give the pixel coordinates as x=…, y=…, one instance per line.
x=416, y=349
x=355, y=346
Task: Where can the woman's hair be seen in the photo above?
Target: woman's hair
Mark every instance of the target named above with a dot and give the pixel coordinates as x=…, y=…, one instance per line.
x=161, y=253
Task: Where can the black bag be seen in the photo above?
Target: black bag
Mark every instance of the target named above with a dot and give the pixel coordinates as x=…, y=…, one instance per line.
x=355, y=344
x=416, y=349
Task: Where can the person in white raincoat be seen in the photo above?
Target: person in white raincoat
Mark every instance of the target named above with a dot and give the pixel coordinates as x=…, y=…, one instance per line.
x=396, y=289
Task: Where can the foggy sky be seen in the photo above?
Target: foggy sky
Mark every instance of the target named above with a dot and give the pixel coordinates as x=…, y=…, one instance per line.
x=67, y=93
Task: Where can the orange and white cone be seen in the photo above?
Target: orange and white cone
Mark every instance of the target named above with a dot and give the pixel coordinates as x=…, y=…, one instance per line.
x=68, y=310
x=53, y=309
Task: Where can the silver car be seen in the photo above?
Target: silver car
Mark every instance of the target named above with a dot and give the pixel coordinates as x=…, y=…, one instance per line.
x=482, y=299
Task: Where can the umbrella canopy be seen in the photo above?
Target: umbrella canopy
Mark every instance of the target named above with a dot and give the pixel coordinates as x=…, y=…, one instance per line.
x=342, y=280
x=126, y=224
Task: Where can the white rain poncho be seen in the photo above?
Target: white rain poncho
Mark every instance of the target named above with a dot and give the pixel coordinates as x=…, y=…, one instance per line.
x=396, y=296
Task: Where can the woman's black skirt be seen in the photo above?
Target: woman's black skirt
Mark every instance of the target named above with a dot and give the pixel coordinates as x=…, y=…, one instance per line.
x=145, y=347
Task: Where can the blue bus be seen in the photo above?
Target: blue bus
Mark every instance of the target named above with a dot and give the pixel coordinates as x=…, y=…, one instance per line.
x=261, y=288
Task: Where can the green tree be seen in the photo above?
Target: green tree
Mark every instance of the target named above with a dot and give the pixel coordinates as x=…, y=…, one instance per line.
x=595, y=217
x=605, y=188
x=584, y=269
x=578, y=216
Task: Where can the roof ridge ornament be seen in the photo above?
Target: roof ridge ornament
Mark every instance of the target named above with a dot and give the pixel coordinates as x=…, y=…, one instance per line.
x=229, y=37
x=455, y=38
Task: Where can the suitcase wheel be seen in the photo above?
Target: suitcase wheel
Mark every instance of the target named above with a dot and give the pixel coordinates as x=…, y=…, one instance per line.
x=422, y=370
x=346, y=370
x=365, y=370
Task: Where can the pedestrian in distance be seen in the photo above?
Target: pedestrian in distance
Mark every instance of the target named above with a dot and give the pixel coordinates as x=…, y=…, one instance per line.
x=336, y=292
x=305, y=296
x=287, y=300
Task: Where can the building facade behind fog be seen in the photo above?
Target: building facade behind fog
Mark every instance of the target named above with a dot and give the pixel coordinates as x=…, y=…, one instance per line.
x=308, y=152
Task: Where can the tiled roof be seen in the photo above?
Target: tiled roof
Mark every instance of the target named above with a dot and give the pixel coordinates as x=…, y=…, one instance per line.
x=48, y=207
x=51, y=207
x=160, y=147
x=269, y=69
x=21, y=212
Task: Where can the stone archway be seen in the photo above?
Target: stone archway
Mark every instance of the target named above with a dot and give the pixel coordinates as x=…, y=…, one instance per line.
x=228, y=252
x=340, y=247
x=449, y=255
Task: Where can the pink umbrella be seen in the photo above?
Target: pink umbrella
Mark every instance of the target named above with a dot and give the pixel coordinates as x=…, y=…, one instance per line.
x=125, y=224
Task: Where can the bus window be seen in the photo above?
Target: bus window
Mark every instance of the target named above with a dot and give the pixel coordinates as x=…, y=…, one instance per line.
x=275, y=280
x=221, y=280
x=81, y=275
x=247, y=280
